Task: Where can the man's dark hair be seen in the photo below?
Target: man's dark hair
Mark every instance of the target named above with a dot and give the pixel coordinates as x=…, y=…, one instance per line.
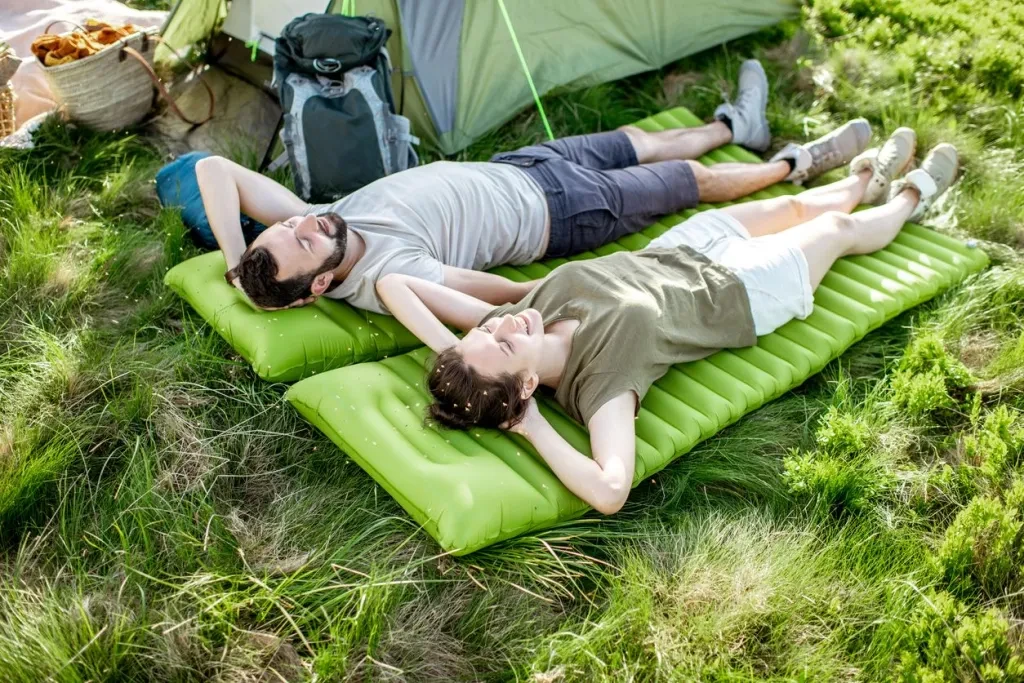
x=464, y=398
x=257, y=272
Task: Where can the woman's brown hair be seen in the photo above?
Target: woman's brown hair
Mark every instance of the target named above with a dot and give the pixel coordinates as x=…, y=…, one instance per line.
x=464, y=398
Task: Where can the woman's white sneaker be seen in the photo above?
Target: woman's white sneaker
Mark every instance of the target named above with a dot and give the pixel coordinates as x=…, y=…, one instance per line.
x=886, y=164
x=935, y=176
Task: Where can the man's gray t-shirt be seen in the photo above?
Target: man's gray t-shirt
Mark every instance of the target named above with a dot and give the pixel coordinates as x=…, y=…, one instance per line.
x=474, y=215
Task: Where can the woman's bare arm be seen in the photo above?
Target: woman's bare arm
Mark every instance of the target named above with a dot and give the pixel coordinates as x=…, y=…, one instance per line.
x=604, y=481
x=426, y=307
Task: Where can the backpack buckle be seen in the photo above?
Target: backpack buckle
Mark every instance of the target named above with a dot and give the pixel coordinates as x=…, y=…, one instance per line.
x=327, y=65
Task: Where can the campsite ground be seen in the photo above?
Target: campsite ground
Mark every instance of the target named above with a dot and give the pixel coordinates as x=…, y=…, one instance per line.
x=164, y=514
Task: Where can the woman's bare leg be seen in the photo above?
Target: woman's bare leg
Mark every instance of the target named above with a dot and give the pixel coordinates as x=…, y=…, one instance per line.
x=835, y=234
x=831, y=188
x=769, y=216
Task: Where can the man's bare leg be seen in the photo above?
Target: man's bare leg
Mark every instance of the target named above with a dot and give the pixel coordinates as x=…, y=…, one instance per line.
x=719, y=183
x=729, y=181
x=834, y=234
x=747, y=125
x=678, y=143
x=726, y=182
x=770, y=216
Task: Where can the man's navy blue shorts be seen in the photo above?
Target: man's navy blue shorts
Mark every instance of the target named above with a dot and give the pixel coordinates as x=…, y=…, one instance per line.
x=597, y=191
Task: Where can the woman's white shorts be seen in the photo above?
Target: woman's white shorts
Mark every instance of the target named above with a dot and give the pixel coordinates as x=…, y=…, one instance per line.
x=775, y=274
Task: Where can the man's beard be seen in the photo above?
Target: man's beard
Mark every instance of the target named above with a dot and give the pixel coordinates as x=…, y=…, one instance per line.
x=340, y=241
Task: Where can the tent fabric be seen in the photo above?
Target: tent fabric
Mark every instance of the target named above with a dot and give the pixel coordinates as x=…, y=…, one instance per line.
x=471, y=489
x=432, y=40
x=260, y=22
x=460, y=76
x=283, y=346
x=191, y=22
x=579, y=43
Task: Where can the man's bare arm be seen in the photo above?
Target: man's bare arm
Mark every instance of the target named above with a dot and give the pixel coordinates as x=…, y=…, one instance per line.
x=229, y=189
x=488, y=287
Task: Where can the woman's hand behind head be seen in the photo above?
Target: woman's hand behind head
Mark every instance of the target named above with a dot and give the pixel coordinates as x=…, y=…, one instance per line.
x=522, y=427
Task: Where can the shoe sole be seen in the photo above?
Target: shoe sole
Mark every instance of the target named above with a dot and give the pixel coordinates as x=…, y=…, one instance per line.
x=843, y=158
x=913, y=152
x=852, y=126
x=762, y=145
x=880, y=183
x=941, y=188
x=764, y=80
x=956, y=163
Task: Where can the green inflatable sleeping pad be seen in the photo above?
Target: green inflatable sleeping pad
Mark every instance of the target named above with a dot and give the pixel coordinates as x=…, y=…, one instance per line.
x=284, y=346
x=472, y=489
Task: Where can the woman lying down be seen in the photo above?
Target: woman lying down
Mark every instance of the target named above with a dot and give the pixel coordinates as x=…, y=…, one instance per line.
x=599, y=332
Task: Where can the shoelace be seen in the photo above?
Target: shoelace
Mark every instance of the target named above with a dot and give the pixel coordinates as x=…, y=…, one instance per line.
x=745, y=98
x=891, y=160
x=830, y=155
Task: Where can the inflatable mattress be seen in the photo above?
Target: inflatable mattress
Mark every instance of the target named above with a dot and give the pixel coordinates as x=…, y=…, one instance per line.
x=471, y=489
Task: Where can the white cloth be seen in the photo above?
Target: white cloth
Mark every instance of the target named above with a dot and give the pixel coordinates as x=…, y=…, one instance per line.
x=465, y=214
x=22, y=138
x=22, y=21
x=776, y=275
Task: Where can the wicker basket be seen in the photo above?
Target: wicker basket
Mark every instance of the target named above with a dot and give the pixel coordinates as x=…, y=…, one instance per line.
x=8, y=65
x=107, y=90
x=7, y=125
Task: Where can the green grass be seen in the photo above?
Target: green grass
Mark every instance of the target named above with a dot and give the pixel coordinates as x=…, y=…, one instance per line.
x=164, y=515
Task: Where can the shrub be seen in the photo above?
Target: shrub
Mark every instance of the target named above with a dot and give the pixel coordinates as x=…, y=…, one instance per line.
x=978, y=553
x=834, y=485
x=984, y=458
x=953, y=45
x=998, y=66
x=920, y=395
x=842, y=434
x=949, y=643
x=928, y=378
x=927, y=354
x=840, y=477
x=996, y=446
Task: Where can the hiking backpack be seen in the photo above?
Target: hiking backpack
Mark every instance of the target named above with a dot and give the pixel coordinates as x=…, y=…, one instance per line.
x=340, y=128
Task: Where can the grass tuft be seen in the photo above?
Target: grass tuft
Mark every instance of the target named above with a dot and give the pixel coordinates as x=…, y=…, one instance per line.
x=164, y=515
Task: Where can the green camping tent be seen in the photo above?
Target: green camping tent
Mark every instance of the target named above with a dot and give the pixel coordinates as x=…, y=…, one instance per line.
x=461, y=75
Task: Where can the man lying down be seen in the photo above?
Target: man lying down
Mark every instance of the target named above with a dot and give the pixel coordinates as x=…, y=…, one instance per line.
x=600, y=332
x=446, y=221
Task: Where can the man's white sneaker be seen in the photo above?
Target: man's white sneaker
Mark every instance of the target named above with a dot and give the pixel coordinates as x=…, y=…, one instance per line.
x=886, y=164
x=747, y=113
x=935, y=176
x=830, y=151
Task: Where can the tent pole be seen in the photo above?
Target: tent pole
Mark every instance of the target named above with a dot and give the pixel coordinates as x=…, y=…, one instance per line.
x=526, y=69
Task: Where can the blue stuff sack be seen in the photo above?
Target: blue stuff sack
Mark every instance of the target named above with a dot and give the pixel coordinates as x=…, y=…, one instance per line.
x=178, y=188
